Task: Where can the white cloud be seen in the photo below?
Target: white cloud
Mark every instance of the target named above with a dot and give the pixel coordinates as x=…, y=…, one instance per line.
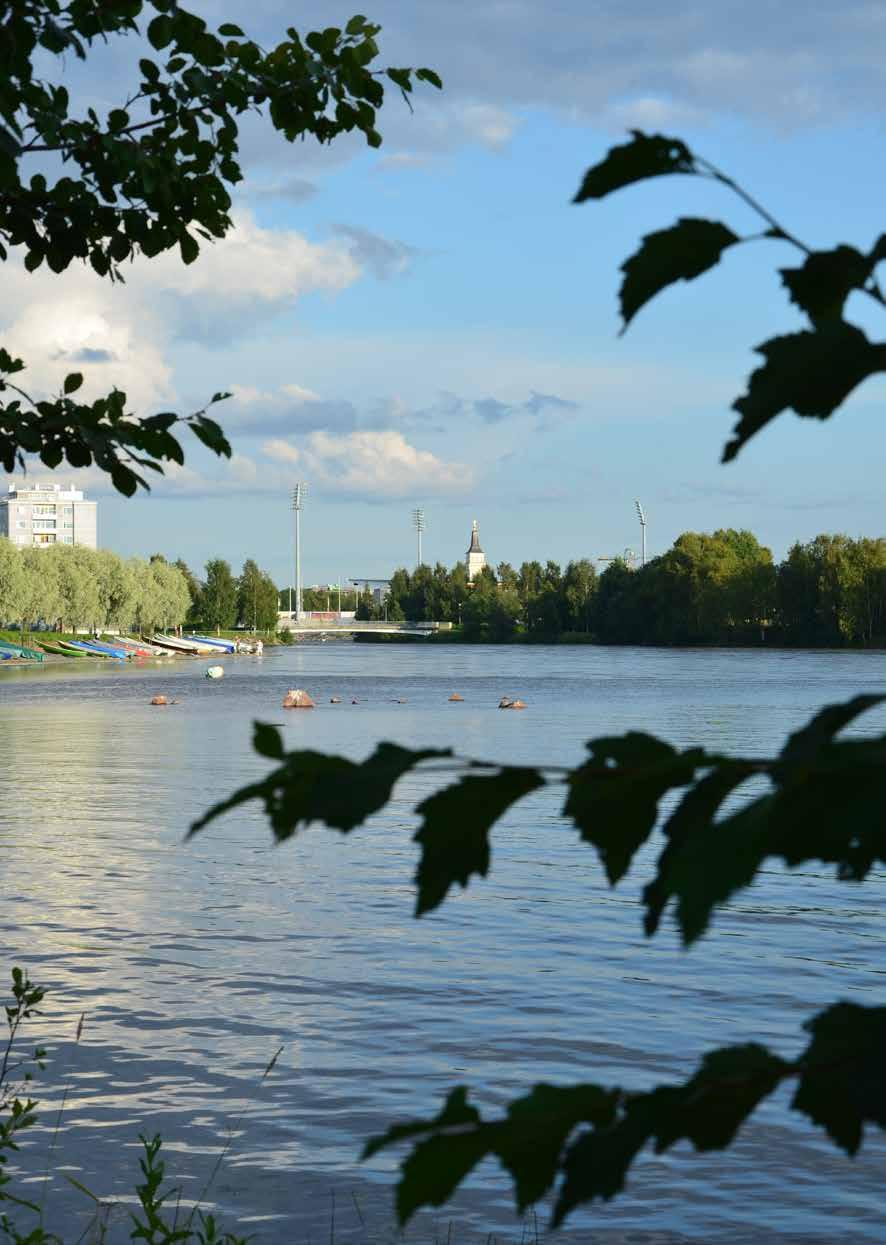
x=120, y=334
x=372, y=464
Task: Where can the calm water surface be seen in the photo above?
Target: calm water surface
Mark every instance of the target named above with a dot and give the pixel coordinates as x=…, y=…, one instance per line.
x=195, y=962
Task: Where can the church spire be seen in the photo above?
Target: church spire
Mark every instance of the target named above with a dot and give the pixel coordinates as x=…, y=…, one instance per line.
x=475, y=559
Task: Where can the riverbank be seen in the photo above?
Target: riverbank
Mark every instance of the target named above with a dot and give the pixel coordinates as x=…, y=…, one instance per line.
x=35, y=640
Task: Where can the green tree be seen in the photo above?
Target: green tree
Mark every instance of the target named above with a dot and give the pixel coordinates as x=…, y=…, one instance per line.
x=218, y=600
x=12, y=583
x=194, y=587
x=365, y=606
x=578, y=589
x=81, y=604
x=153, y=176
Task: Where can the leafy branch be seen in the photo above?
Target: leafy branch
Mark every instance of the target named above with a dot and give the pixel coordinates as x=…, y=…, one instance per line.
x=100, y=432
x=811, y=372
x=135, y=185
x=821, y=790
x=589, y=1135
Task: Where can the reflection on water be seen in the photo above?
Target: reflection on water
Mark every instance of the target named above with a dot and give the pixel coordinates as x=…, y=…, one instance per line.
x=195, y=962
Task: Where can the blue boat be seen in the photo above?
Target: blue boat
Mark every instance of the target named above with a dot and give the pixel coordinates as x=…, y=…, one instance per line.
x=105, y=650
x=228, y=645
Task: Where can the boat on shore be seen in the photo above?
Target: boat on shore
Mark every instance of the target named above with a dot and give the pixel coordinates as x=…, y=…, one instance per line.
x=229, y=646
x=178, y=645
x=18, y=650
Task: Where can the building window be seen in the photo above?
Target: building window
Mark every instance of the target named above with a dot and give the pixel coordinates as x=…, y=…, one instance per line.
x=45, y=510
x=21, y=523
x=41, y=538
x=68, y=540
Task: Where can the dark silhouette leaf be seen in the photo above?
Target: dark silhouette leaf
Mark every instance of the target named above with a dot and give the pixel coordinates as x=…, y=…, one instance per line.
x=693, y=816
x=843, y=1072
x=707, y=1111
x=454, y=833
x=680, y=253
x=311, y=786
x=646, y=155
x=811, y=373
x=613, y=798
x=822, y=284
x=804, y=744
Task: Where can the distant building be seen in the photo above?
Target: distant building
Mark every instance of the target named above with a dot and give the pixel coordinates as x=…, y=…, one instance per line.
x=48, y=514
x=475, y=559
x=379, y=588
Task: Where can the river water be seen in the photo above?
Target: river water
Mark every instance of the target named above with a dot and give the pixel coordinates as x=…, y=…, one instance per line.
x=195, y=962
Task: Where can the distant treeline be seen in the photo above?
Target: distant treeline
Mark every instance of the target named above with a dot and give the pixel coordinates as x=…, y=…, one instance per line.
x=720, y=588
x=70, y=587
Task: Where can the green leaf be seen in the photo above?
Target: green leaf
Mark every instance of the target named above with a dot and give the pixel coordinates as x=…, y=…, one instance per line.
x=267, y=741
x=230, y=31
x=454, y=833
x=707, y=1110
x=613, y=798
x=188, y=246
x=73, y=381
x=160, y=32
x=211, y=435
x=804, y=744
x=312, y=786
x=679, y=863
x=646, y=155
x=811, y=373
x=843, y=1072
x=821, y=286
x=686, y=250
x=428, y=75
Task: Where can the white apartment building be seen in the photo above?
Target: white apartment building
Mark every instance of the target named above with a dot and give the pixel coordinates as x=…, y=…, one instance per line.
x=48, y=514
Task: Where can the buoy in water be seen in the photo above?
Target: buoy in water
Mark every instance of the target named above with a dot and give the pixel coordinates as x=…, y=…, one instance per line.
x=159, y=700
x=215, y=672
x=507, y=702
x=455, y=696
x=297, y=698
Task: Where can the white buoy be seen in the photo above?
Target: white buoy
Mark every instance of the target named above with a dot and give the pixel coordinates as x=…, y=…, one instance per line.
x=215, y=672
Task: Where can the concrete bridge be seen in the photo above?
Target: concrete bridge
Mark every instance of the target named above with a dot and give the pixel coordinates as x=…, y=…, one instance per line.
x=350, y=626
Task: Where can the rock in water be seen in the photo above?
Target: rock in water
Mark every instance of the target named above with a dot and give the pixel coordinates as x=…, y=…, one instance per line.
x=297, y=698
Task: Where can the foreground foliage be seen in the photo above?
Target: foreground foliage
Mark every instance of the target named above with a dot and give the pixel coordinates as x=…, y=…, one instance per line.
x=820, y=800
x=152, y=176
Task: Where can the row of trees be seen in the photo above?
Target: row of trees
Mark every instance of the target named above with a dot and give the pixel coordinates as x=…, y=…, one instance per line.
x=222, y=601
x=71, y=587
x=707, y=589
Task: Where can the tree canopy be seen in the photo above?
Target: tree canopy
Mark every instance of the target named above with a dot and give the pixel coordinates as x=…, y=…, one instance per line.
x=153, y=175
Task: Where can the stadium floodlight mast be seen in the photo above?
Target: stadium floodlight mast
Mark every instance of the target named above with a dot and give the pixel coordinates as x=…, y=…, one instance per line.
x=642, y=517
x=418, y=522
x=298, y=505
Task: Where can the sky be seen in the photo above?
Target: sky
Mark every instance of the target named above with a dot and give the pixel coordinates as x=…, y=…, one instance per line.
x=434, y=324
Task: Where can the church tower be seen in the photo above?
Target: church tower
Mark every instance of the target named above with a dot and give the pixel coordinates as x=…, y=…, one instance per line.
x=475, y=558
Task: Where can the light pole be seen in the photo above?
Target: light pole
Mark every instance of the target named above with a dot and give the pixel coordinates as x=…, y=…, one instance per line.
x=418, y=522
x=642, y=517
x=298, y=505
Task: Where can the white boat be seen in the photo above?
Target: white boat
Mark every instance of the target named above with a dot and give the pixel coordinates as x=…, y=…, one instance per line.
x=178, y=645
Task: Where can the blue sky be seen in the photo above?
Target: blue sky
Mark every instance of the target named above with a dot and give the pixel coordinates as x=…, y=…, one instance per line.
x=436, y=324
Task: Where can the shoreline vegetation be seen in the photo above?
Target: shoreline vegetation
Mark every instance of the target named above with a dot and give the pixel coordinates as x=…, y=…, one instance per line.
x=709, y=589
